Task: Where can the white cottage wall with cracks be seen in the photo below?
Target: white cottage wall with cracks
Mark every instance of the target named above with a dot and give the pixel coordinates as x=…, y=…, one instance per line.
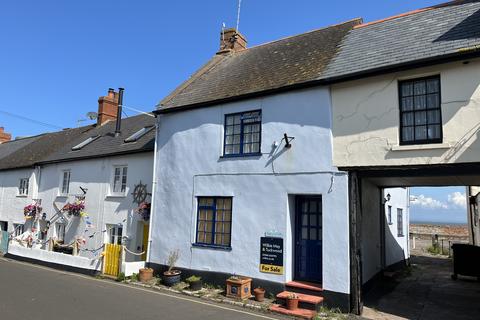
x=366, y=119
x=189, y=163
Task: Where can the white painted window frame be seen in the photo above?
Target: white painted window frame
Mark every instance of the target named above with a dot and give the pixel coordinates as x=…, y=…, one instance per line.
x=18, y=231
x=65, y=186
x=113, y=236
x=60, y=229
x=123, y=171
x=23, y=186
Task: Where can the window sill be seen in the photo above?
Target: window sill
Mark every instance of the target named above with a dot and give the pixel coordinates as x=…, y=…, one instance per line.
x=113, y=196
x=209, y=246
x=248, y=155
x=413, y=147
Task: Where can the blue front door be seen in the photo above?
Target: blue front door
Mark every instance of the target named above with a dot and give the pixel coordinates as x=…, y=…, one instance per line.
x=308, y=238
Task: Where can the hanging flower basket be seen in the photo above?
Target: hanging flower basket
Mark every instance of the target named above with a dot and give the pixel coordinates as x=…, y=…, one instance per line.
x=75, y=209
x=31, y=211
x=144, y=210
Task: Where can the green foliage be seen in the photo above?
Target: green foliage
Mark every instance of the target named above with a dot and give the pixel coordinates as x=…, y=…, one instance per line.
x=436, y=249
x=193, y=279
x=326, y=313
x=121, y=277
x=135, y=277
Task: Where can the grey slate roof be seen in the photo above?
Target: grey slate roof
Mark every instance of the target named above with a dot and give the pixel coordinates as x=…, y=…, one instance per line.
x=57, y=146
x=107, y=144
x=447, y=29
x=273, y=65
x=7, y=148
x=334, y=54
x=31, y=153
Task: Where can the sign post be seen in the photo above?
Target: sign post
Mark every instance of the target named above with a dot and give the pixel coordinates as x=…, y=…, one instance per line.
x=271, y=255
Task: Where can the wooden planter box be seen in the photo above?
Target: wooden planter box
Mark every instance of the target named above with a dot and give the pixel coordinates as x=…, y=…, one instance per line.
x=239, y=288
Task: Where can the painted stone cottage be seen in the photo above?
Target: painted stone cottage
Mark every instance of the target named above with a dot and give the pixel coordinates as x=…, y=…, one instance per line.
x=83, y=188
x=244, y=163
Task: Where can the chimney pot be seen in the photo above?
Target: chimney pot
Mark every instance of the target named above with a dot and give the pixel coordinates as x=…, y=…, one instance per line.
x=231, y=41
x=107, y=107
x=4, y=137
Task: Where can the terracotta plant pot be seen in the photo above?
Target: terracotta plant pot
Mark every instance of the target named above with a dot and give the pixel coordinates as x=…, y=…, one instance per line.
x=259, y=294
x=171, y=278
x=239, y=287
x=145, y=274
x=292, y=304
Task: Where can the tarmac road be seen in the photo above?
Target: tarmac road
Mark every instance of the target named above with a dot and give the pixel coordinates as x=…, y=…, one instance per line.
x=30, y=292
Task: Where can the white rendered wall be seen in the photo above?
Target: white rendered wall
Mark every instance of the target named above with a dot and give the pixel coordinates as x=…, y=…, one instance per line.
x=189, y=163
x=11, y=203
x=54, y=257
x=102, y=207
x=397, y=247
x=366, y=119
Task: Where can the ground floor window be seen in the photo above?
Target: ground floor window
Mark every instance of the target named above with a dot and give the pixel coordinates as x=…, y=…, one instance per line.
x=114, y=233
x=60, y=232
x=18, y=229
x=214, y=221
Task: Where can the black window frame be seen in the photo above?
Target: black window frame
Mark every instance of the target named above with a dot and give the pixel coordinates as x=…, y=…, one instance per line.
x=426, y=109
x=212, y=244
x=241, y=143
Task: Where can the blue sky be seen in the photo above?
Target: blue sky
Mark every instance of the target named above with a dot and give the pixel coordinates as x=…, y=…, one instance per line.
x=58, y=57
x=440, y=204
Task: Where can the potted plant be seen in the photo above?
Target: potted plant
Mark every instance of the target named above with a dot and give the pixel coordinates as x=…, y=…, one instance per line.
x=172, y=276
x=75, y=209
x=259, y=294
x=31, y=211
x=144, y=210
x=195, y=283
x=292, y=301
x=145, y=274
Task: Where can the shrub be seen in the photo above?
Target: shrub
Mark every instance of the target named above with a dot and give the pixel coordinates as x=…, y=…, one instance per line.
x=193, y=279
x=121, y=277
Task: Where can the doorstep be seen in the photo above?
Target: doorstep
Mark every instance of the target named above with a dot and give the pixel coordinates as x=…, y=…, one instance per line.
x=300, y=313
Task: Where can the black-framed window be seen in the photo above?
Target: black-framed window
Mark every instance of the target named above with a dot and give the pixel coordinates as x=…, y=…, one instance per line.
x=389, y=214
x=243, y=133
x=214, y=221
x=420, y=111
x=400, y=222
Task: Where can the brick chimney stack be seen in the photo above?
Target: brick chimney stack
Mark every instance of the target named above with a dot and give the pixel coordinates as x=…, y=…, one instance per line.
x=4, y=137
x=231, y=41
x=107, y=107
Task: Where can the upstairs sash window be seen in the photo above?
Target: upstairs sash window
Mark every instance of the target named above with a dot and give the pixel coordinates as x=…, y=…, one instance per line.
x=243, y=133
x=420, y=111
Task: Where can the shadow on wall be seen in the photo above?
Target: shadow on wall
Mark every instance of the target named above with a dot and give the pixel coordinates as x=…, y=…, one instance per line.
x=469, y=28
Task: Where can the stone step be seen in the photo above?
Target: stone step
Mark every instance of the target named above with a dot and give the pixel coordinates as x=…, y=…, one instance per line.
x=300, y=313
x=305, y=301
x=304, y=287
